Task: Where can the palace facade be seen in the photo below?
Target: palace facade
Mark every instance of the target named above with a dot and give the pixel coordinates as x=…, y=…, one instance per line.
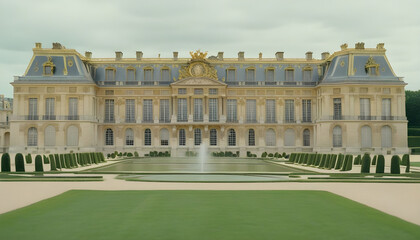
x=350, y=101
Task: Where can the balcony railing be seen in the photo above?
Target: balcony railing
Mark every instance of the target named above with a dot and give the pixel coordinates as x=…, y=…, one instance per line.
x=54, y=117
x=364, y=118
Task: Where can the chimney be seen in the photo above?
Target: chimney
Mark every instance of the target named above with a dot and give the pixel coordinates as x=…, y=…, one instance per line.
x=279, y=56
x=88, y=55
x=308, y=56
x=260, y=56
x=359, y=45
x=325, y=55
x=380, y=46
x=38, y=45
x=139, y=55
x=220, y=56
x=241, y=56
x=118, y=56
x=344, y=46
x=175, y=56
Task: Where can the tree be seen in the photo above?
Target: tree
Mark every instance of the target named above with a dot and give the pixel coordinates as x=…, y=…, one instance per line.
x=412, y=104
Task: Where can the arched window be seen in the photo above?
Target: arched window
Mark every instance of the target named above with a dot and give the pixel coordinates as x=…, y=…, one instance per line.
x=232, y=137
x=181, y=137
x=32, y=137
x=197, y=136
x=270, y=137
x=306, y=138
x=386, y=135
x=366, y=133
x=49, y=136
x=213, y=137
x=337, y=137
x=109, y=137
x=147, y=137
x=289, y=137
x=251, y=137
x=129, y=137
x=72, y=136
x=164, y=137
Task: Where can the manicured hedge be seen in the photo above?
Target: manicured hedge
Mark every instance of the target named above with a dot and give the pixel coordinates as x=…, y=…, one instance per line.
x=38, y=164
x=19, y=163
x=406, y=162
x=57, y=161
x=53, y=166
x=46, y=160
x=333, y=161
x=348, y=163
x=339, y=161
x=28, y=158
x=5, y=162
x=365, y=164
x=395, y=164
x=323, y=160
x=62, y=161
x=380, y=164
x=374, y=160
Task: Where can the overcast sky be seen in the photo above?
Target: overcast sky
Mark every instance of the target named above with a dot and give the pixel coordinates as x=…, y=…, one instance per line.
x=154, y=27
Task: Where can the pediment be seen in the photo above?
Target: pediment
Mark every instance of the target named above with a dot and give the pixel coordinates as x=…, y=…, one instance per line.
x=194, y=81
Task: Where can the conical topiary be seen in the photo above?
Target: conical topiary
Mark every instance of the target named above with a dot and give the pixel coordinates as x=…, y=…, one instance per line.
x=380, y=164
x=374, y=160
x=53, y=166
x=19, y=163
x=365, y=164
x=5, y=162
x=395, y=164
x=38, y=164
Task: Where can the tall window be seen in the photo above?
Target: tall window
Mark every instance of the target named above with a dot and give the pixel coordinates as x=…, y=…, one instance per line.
x=32, y=137
x=251, y=110
x=306, y=110
x=147, y=110
x=109, y=75
x=109, y=110
x=251, y=137
x=365, y=109
x=386, y=108
x=164, y=111
x=197, y=136
x=72, y=136
x=386, y=137
x=131, y=74
x=230, y=75
x=164, y=137
x=213, y=110
x=337, y=109
x=289, y=113
x=198, y=109
x=148, y=75
x=129, y=137
x=109, y=137
x=337, y=137
x=307, y=75
x=270, y=137
x=231, y=110
x=306, y=138
x=250, y=75
x=213, y=137
x=147, y=137
x=73, y=114
x=182, y=110
x=130, y=114
x=181, y=137
x=366, y=133
x=213, y=91
x=33, y=109
x=49, y=136
x=232, y=137
x=289, y=137
x=290, y=75
x=165, y=76
x=270, y=111
x=49, y=109
x=269, y=75
x=182, y=91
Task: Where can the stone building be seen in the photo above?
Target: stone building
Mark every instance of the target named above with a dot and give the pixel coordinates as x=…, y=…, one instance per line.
x=350, y=101
x=6, y=106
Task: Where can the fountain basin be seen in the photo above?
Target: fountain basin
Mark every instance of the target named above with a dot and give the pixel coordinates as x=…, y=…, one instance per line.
x=204, y=178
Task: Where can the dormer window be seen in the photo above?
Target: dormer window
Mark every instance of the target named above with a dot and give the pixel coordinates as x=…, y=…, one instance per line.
x=269, y=75
x=110, y=74
x=371, y=67
x=307, y=74
x=250, y=74
x=49, y=67
x=231, y=74
x=290, y=75
x=131, y=74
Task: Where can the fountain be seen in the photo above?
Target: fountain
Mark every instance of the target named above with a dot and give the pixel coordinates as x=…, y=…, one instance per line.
x=202, y=155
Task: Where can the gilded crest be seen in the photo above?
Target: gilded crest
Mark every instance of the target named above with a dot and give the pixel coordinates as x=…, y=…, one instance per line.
x=198, y=67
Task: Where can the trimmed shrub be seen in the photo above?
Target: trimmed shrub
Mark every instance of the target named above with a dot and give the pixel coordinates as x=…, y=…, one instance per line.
x=62, y=162
x=136, y=154
x=46, y=160
x=284, y=154
x=348, y=163
x=276, y=155
x=323, y=160
x=57, y=161
x=374, y=160
x=395, y=164
x=129, y=154
x=53, y=167
x=317, y=160
x=333, y=161
x=5, y=162
x=19, y=163
x=380, y=164
x=365, y=163
x=292, y=157
x=38, y=164
x=67, y=160
x=28, y=158
x=264, y=155
x=406, y=162
x=340, y=159
x=112, y=155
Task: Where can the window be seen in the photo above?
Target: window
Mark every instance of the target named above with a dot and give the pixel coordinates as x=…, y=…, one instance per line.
x=197, y=136
x=231, y=137
x=270, y=137
x=213, y=91
x=289, y=137
x=270, y=111
x=49, y=109
x=182, y=110
x=147, y=137
x=164, y=137
x=109, y=137
x=290, y=75
x=231, y=75
x=129, y=137
x=182, y=91
x=213, y=110
x=49, y=67
x=231, y=110
x=365, y=109
x=250, y=75
x=73, y=114
x=49, y=136
x=198, y=110
x=164, y=111
x=32, y=137
x=198, y=91
x=366, y=133
x=372, y=71
x=182, y=137
x=337, y=137
x=213, y=137
x=165, y=76
x=48, y=70
x=269, y=75
x=306, y=138
x=386, y=108
x=148, y=110
x=251, y=111
x=307, y=75
x=337, y=109
x=130, y=114
x=109, y=74
x=109, y=110
x=386, y=135
x=131, y=74
x=251, y=137
x=33, y=109
x=289, y=113
x=72, y=136
x=148, y=75
x=306, y=110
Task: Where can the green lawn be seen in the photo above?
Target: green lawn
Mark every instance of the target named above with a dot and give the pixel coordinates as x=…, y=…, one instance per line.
x=415, y=164
x=200, y=215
